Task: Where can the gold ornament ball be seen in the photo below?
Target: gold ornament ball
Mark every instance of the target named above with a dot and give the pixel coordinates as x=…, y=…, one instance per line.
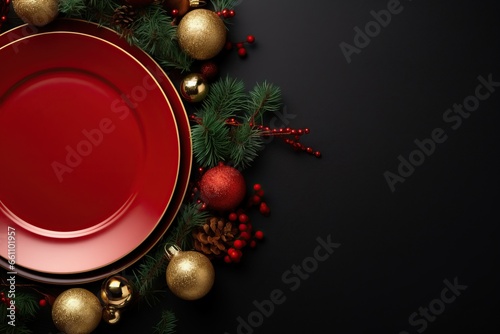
x=201, y=34
x=190, y=274
x=116, y=291
x=194, y=87
x=111, y=315
x=36, y=12
x=76, y=311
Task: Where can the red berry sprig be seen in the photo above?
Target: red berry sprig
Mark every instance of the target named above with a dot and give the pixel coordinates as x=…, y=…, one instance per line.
x=291, y=137
x=240, y=46
x=4, y=10
x=226, y=13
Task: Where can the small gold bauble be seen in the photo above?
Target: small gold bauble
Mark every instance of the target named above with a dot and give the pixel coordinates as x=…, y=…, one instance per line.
x=190, y=275
x=201, y=34
x=36, y=12
x=76, y=311
x=111, y=315
x=194, y=87
x=116, y=291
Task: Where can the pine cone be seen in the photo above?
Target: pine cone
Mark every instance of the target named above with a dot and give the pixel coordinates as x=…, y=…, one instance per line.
x=215, y=237
x=124, y=16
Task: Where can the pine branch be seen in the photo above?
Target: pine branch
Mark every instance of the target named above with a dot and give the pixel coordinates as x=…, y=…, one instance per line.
x=154, y=32
x=219, y=5
x=226, y=98
x=247, y=142
x=264, y=98
x=167, y=323
x=73, y=8
x=211, y=141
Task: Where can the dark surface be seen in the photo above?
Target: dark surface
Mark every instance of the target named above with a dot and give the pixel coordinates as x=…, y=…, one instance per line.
x=397, y=248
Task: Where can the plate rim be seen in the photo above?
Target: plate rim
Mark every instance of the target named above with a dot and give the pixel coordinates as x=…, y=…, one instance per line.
x=173, y=119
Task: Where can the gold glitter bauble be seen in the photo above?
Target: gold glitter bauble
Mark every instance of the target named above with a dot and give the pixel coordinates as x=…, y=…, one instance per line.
x=190, y=274
x=201, y=34
x=194, y=87
x=36, y=12
x=76, y=311
x=116, y=291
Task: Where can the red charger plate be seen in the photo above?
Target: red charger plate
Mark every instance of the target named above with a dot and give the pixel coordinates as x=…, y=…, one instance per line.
x=91, y=151
x=185, y=159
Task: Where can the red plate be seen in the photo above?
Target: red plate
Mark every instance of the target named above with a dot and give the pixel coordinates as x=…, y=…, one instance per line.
x=91, y=152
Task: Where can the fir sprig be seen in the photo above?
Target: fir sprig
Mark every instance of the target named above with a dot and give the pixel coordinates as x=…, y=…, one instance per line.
x=224, y=4
x=264, y=98
x=226, y=97
x=227, y=124
x=247, y=142
x=26, y=309
x=167, y=323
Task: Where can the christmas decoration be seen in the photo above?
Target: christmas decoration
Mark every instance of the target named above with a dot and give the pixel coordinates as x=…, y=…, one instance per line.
x=124, y=16
x=209, y=70
x=215, y=237
x=36, y=12
x=201, y=34
x=228, y=131
x=190, y=275
x=222, y=188
x=194, y=87
x=181, y=6
x=76, y=311
x=116, y=293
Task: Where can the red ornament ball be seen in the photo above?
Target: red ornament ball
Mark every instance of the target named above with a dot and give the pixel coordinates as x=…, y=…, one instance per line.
x=222, y=188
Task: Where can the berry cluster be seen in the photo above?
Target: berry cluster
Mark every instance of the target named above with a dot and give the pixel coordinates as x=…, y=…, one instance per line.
x=240, y=46
x=226, y=13
x=247, y=235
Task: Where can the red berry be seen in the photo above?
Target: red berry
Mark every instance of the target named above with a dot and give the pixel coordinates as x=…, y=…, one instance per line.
x=175, y=12
x=233, y=216
x=235, y=256
x=245, y=235
x=227, y=259
x=264, y=209
x=228, y=46
x=256, y=199
x=257, y=187
x=259, y=235
x=238, y=244
x=232, y=13
x=242, y=227
x=250, y=39
x=253, y=243
x=42, y=302
x=260, y=192
x=243, y=218
x=242, y=52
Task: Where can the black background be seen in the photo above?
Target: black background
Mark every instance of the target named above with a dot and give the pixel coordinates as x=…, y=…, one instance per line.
x=397, y=248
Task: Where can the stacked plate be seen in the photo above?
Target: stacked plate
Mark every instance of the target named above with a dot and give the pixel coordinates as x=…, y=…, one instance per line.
x=96, y=152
